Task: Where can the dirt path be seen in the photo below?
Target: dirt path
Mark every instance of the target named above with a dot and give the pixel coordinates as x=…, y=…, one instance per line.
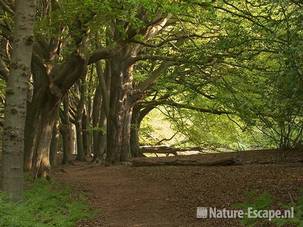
x=168, y=196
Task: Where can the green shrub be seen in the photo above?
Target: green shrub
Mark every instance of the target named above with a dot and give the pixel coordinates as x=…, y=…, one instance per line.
x=45, y=204
x=261, y=202
x=265, y=202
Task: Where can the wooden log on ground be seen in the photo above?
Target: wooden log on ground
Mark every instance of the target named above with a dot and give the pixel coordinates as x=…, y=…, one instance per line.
x=180, y=162
x=167, y=150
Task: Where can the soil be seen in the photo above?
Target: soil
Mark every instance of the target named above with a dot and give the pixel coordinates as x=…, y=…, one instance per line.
x=168, y=195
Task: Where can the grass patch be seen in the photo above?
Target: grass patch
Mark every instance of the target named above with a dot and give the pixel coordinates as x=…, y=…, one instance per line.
x=45, y=204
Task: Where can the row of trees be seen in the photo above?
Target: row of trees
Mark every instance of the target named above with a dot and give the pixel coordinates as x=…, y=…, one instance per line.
x=102, y=66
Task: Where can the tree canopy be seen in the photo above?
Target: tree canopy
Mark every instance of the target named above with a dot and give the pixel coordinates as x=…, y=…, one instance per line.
x=218, y=74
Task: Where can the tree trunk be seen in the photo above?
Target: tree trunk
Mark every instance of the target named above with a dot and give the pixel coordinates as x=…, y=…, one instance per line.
x=16, y=100
x=32, y=125
x=97, y=107
x=41, y=163
x=67, y=133
x=60, y=80
x=79, y=136
x=51, y=82
x=125, y=149
x=102, y=139
x=54, y=144
x=118, y=129
x=41, y=96
x=79, y=124
x=134, y=133
x=86, y=135
x=104, y=89
x=139, y=114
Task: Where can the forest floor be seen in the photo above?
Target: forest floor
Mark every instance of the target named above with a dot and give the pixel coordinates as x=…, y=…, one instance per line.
x=168, y=195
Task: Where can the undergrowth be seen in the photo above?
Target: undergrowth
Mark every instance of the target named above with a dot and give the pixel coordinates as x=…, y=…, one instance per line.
x=265, y=201
x=45, y=204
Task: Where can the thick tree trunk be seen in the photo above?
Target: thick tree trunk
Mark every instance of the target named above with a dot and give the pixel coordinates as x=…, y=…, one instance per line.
x=67, y=144
x=32, y=126
x=41, y=163
x=51, y=82
x=134, y=137
x=16, y=100
x=118, y=129
x=126, y=149
x=45, y=103
x=134, y=133
x=139, y=114
x=34, y=108
x=104, y=89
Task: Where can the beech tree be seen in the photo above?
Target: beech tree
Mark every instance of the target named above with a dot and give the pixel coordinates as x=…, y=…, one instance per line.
x=16, y=98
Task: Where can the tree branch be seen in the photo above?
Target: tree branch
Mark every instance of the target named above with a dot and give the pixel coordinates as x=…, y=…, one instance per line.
x=177, y=38
x=102, y=53
x=198, y=109
x=144, y=85
x=173, y=59
x=64, y=76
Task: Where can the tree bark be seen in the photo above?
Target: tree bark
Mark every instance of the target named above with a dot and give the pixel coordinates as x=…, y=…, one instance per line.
x=41, y=163
x=96, y=113
x=47, y=97
x=118, y=129
x=86, y=134
x=34, y=108
x=32, y=125
x=51, y=81
x=79, y=136
x=134, y=134
x=16, y=100
x=104, y=86
x=78, y=123
x=139, y=114
x=126, y=149
x=102, y=139
x=54, y=145
x=67, y=133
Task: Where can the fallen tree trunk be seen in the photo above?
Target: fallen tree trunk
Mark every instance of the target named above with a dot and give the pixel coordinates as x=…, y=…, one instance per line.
x=167, y=150
x=179, y=162
x=220, y=162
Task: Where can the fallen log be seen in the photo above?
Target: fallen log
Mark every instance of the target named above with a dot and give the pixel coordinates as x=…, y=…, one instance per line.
x=220, y=162
x=179, y=162
x=167, y=150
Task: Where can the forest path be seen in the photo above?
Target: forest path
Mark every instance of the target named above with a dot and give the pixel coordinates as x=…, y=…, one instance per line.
x=168, y=195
